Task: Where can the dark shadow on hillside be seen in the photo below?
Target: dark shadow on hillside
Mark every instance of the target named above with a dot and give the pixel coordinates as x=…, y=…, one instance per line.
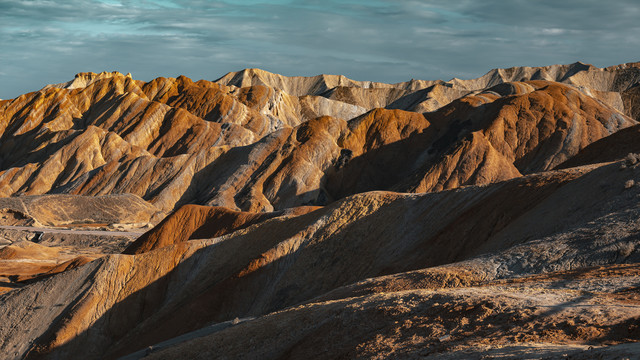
x=254, y=286
x=11, y=285
x=395, y=166
x=247, y=276
x=20, y=150
x=412, y=99
x=610, y=148
x=206, y=182
x=206, y=298
x=380, y=168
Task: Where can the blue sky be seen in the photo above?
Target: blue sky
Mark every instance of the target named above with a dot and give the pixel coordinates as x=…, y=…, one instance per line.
x=48, y=41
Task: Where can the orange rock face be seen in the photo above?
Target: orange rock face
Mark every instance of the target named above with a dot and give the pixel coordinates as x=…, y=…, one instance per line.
x=263, y=149
x=201, y=222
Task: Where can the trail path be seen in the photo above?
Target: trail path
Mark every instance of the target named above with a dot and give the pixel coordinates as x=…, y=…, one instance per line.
x=77, y=232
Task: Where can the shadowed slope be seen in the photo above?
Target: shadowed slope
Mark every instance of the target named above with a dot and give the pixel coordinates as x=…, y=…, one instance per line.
x=611, y=148
x=284, y=261
x=201, y=222
x=478, y=139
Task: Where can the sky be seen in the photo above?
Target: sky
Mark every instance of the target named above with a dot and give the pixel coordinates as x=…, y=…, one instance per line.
x=49, y=41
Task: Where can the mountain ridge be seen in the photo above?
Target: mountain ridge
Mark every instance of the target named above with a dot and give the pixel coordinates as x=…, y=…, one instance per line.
x=188, y=127
x=323, y=216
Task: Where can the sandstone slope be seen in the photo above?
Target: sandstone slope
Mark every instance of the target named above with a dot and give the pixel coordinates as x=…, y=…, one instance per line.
x=235, y=143
x=120, y=305
x=202, y=222
x=478, y=139
x=108, y=125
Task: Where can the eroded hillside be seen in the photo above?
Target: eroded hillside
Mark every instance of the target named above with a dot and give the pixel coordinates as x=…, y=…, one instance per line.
x=322, y=217
x=280, y=142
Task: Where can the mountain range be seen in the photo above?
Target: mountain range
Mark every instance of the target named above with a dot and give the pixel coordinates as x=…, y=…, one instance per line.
x=265, y=216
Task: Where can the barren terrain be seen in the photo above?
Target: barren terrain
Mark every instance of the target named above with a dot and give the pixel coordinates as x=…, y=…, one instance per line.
x=272, y=217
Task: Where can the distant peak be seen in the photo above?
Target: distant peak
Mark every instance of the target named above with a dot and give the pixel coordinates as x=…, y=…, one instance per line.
x=104, y=74
x=254, y=72
x=581, y=65
x=629, y=65
x=84, y=79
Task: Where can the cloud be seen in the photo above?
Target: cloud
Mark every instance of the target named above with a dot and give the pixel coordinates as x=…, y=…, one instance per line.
x=48, y=41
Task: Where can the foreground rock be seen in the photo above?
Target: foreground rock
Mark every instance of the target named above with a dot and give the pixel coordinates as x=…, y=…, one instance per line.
x=570, y=315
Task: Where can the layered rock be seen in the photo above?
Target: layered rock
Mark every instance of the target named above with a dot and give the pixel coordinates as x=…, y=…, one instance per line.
x=622, y=144
x=201, y=222
x=235, y=142
x=499, y=134
x=61, y=210
x=489, y=238
x=611, y=85
x=60, y=138
x=121, y=303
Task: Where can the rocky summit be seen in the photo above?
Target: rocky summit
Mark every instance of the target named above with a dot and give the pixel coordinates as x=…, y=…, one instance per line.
x=261, y=216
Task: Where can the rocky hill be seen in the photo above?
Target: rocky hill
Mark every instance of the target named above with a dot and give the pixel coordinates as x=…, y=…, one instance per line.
x=258, y=148
x=322, y=217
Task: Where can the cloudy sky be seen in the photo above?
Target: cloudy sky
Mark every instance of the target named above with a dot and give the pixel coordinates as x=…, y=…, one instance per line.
x=48, y=41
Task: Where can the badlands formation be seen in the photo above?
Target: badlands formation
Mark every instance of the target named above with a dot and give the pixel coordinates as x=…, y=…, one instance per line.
x=272, y=217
